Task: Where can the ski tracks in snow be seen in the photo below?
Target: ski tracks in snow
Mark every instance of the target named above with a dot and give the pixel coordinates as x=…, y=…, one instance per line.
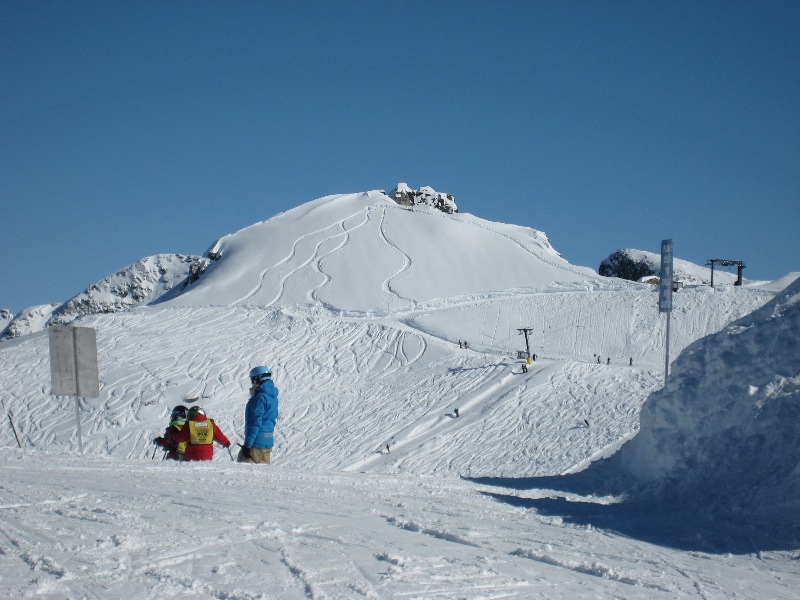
x=386, y=286
x=289, y=262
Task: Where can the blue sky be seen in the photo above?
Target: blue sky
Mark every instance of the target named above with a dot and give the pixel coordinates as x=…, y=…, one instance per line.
x=136, y=128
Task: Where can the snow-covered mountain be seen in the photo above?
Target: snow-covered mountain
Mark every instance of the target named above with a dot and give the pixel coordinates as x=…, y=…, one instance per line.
x=307, y=254
x=439, y=254
x=364, y=253
x=144, y=282
x=361, y=308
x=27, y=321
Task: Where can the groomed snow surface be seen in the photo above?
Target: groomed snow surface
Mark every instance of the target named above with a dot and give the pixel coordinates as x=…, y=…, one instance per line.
x=531, y=492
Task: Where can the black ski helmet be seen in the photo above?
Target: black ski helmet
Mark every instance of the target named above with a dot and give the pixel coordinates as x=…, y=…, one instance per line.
x=179, y=413
x=196, y=410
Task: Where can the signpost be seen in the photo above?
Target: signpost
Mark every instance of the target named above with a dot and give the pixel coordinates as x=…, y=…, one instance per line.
x=73, y=366
x=665, y=295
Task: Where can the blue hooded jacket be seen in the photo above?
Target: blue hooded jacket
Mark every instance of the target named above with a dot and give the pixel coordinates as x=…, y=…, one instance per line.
x=260, y=415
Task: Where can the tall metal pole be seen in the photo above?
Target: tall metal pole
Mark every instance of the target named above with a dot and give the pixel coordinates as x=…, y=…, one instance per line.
x=78, y=422
x=666, y=354
x=665, y=294
x=77, y=386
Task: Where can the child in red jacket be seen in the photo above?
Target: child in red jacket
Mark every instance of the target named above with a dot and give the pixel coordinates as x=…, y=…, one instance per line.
x=177, y=419
x=199, y=433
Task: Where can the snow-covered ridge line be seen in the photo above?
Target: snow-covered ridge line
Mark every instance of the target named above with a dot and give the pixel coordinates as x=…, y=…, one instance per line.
x=147, y=281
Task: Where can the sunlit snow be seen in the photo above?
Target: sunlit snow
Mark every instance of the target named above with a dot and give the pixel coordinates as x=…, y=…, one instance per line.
x=360, y=307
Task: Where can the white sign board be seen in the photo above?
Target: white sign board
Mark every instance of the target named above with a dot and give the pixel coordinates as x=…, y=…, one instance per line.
x=73, y=362
x=665, y=285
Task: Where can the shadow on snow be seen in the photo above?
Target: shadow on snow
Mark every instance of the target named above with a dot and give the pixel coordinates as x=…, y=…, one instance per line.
x=651, y=516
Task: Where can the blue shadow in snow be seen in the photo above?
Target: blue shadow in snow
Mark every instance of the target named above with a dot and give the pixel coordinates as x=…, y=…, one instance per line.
x=651, y=517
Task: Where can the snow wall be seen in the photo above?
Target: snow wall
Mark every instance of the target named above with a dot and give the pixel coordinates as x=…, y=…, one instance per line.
x=724, y=434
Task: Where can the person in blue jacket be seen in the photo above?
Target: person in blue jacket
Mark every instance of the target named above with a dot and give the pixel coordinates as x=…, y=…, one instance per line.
x=260, y=415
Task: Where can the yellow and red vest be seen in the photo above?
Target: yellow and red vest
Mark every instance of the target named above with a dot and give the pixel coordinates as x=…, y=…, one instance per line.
x=201, y=432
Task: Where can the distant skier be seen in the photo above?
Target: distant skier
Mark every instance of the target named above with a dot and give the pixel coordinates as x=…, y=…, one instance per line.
x=524, y=367
x=598, y=359
x=631, y=363
x=608, y=361
x=260, y=416
x=175, y=450
x=387, y=448
x=199, y=434
x=455, y=412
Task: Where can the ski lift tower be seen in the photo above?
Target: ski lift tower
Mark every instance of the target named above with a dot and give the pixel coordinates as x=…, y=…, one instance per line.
x=526, y=331
x=723, y=262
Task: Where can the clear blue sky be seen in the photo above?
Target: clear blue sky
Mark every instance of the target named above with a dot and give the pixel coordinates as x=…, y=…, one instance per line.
x=129, y=129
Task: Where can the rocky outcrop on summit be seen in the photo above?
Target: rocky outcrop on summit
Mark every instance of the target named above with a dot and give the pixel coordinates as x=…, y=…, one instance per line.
x=425, y=195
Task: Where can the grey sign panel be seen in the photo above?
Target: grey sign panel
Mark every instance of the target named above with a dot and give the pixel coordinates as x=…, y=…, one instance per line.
x=62, y=362
x=73, y=362
x=665, y=285
x=86, y=362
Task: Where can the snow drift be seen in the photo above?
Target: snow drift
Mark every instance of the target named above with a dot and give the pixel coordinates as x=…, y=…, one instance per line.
x=724, y=434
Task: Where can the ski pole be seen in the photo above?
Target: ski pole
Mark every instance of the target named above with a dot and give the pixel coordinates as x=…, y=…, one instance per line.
x=14, y=429
x=154, y=453
x=231, y=453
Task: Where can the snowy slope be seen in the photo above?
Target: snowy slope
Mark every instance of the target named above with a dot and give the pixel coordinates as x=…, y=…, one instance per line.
x=365, y=355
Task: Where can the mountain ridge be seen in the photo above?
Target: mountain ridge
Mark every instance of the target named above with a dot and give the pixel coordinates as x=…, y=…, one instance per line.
x=173, y=278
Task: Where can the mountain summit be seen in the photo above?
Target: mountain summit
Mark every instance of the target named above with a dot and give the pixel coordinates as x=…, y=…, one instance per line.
x=367, y=253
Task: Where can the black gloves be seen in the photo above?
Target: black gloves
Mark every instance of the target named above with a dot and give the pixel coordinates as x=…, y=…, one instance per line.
x=157, y=441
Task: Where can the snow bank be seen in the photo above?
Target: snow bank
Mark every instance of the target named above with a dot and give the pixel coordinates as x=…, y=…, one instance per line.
x=724, y=434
